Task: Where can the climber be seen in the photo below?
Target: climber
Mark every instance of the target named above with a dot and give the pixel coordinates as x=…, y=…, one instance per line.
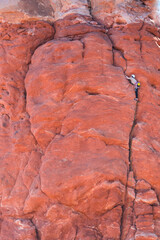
x=135, y=83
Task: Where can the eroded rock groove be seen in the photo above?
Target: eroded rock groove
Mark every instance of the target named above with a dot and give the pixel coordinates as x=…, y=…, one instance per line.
x=36, y=230
x=131, y=136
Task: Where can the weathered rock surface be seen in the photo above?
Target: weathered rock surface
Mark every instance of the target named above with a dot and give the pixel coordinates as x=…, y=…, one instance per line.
x=79, y=157
x=108, y=12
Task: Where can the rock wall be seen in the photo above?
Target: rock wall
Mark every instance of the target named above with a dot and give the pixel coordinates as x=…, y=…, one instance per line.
x=107, y=12
x=79, y=157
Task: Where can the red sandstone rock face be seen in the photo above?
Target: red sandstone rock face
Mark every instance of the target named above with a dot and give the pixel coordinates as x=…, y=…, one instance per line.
x=108, y=12
x=20, y=157
x=79, y=157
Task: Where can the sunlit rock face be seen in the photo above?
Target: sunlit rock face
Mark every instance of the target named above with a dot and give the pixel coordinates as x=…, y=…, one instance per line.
x=108, y=12
x=156, y=12
x=79, y=157
x=122, y=12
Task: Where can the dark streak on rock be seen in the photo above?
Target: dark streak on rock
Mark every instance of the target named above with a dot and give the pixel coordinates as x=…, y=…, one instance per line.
x=76, y=233
x=92, y=93
x=36, y=230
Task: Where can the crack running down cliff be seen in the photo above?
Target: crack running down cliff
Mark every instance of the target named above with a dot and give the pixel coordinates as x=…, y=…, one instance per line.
x=36, y=230
x=131, y=136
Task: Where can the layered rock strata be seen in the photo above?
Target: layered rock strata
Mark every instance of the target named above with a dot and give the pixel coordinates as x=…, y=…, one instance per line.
x=80, y=157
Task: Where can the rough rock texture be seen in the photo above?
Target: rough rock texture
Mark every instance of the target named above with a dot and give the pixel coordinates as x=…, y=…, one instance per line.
x=108, y=12
x=79, y=157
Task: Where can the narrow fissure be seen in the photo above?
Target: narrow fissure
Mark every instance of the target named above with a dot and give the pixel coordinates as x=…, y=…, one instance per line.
x=113, y=58
x=76, y=233
x=89, y=7
x=83, y=50
x=113, y=55
x=142, y=25
x=36, y=230
x=122, y=55
x=92, y=93
x=140, y=42
x=122, y=217
x=133, y=212
x=131, y=136
x=30, y=122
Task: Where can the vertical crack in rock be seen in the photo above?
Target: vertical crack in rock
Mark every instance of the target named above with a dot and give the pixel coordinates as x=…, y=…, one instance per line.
x=113, y=57
x=90, y=7
x=83, y=51
x=122, y=217
x=129, y=142
x=122, y=55
x=76, y=233
x=36, y=230
x=131, y=136
x=114, y=48
x=140, y=42
x=140, y=36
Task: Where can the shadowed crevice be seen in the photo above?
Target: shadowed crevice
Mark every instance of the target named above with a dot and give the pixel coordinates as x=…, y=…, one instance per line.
x=76, y=233
x=122, y=55
x=131, y=136
x=140, y=40
x=92, y=93
x=36, y=230
x=83, y=50
x=89, y=7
